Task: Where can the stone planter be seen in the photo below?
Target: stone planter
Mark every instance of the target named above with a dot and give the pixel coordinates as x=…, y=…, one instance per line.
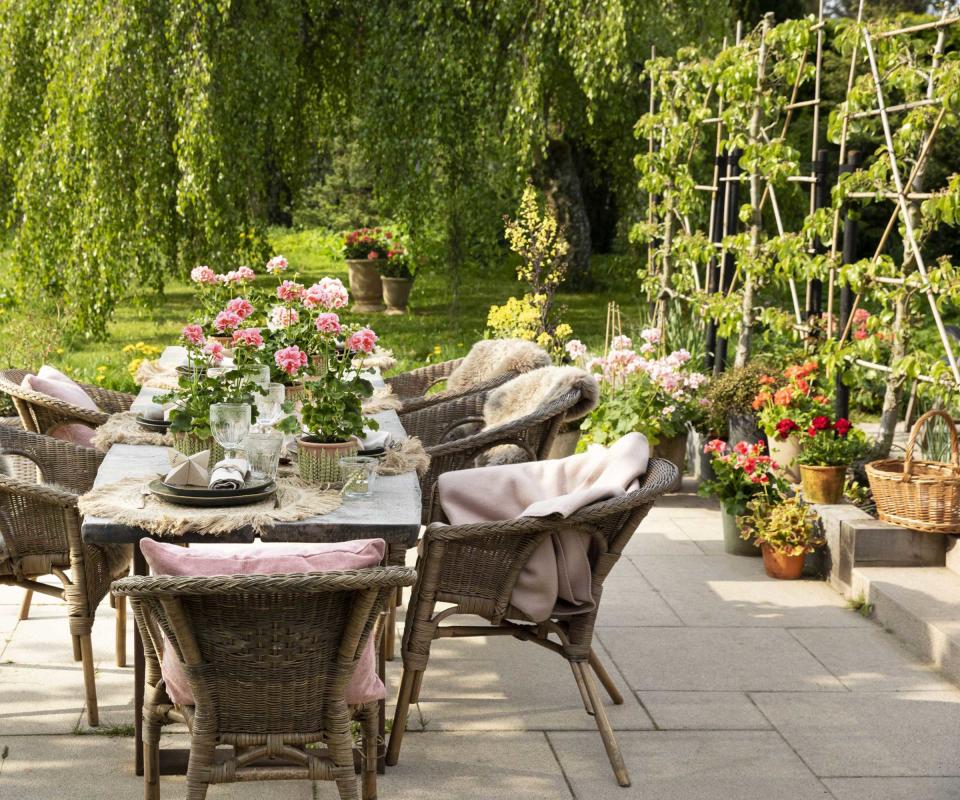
x=566, y=442
x=396, y=294
x=366, y=287
x=744, y=428
x=732, y=543
x=674, y=450
x=785, y=453
x=823, y=485
x=190, y=444
x=780, y=565
x=319, y=462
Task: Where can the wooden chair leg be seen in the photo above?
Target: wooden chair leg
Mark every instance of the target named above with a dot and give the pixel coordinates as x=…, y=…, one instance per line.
x=151, y=759
x=417, y=685
x=581, y=686
x=89, y=681
x=605, y=679
x=202, y=751
x=400, y=716
x=25, y=605
x=390, y=637
x=603, y=725
x=121, y=633
x=77, y=655
x=369, y=724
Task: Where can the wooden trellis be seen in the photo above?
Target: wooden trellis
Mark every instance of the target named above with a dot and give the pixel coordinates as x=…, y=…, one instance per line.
x=726, y=179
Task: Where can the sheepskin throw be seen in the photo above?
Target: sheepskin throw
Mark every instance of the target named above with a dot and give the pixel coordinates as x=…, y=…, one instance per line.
x=491, y=358
x=525, y=394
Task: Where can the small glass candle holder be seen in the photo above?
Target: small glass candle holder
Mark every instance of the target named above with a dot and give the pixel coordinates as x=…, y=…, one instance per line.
x=358, y=474
x=263, y=449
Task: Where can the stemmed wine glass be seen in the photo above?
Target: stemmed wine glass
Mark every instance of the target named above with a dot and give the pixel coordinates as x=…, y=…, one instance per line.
x=269, y=405
x=230, y=424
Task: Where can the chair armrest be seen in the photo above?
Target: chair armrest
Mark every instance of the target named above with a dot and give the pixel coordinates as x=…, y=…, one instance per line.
x=39, y=492
x=108, y=400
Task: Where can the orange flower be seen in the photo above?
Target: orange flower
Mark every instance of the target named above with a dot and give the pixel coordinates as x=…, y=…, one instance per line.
x=760, y=400
x=767, y=380
x=819, y=398
x=783, y=397
x=803, y=386
x=792, y=371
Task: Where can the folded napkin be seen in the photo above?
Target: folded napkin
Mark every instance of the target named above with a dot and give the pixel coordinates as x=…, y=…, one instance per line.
x=188, y=470
x=374, y=440
x=229, y=474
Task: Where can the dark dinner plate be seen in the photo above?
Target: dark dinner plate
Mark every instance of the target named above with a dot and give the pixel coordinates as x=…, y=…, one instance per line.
x=153, y=425
x=374, y=452
x=219, y=500
x=252, y=487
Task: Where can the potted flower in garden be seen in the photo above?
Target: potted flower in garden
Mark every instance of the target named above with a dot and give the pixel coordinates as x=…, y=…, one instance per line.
x=198, y=390
x=742, y=473
x=785, y=406
x=785, y=531
x=396, y=276
x=214, y=290
x=365, y=251
x=658, y=397
x=332, y=413
x=825, y=453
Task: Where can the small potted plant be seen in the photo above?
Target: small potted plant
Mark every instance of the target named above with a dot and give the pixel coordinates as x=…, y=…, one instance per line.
x=729, y=402
x=365, y=251
x=785, y=531
x=825, y=453
x=742, y=473
x=396, y=275
x=659, y=397
x=332, y=412
x=785, y=406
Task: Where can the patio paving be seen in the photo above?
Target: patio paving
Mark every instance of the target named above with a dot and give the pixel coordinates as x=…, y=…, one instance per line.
x=735, y=686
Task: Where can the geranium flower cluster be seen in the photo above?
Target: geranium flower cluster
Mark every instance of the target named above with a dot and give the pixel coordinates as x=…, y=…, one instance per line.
x=368, y=243
x=787, y=402
x=757, y=467
x=742, y=472
x=204, y=275
x=831, y=443
x=667, y=373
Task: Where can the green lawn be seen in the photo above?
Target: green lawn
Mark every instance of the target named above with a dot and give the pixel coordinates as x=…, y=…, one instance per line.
x=430, y=332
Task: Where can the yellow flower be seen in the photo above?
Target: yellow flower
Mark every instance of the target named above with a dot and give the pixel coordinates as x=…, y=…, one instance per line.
x=563, y=331
x=544, y=340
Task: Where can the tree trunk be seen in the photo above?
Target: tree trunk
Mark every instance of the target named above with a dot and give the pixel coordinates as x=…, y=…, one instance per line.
x=565, y=199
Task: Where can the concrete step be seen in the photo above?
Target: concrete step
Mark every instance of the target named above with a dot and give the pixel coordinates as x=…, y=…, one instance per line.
x=920, y=605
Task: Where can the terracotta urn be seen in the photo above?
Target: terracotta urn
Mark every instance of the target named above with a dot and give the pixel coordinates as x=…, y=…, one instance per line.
x=396, y=294
x=366, y=286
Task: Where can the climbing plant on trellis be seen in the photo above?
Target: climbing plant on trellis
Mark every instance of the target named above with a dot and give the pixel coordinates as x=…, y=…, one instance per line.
x=736, y=264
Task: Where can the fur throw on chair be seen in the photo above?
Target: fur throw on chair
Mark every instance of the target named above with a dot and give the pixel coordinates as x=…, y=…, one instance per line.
x=491, y=358
x=527, y=393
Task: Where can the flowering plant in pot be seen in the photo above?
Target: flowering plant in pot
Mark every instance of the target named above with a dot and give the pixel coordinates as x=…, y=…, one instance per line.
x=658, y=397
x=332, y=413
x=785, y=531
x=199, y=389
x=742, y=473
x=396, y=275
x=214, y=290
x=365, y=250
x=729, y=401
x=786, y=404
x=826, y=451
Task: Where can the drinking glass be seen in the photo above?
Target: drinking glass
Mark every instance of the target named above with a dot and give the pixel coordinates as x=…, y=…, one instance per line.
x=358, y=474
x=263, y=453
x=269, y=405
x=230, y=424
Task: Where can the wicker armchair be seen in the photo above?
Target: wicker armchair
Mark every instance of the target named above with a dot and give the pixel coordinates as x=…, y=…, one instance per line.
x=412, y=387
x=268, y=658
x=475, y=567
x=438, y=425
x=41, y=536
x=41, y=414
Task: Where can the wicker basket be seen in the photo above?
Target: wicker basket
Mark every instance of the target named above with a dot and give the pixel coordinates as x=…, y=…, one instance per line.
x=921, y=495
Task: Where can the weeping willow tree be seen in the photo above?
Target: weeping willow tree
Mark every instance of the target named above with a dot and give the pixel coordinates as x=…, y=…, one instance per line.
x=140, y=138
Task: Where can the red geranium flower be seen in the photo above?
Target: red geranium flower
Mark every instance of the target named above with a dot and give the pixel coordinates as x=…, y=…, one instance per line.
x=785, y=427
x=842, y=426
x=820, y=423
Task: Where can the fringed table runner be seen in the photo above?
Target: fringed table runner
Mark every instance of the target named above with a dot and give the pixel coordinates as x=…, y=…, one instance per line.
x=405, y=456
x=380, y=359
x=123, y=428
x=383, y=400
x=154, y=375
x=130, y=502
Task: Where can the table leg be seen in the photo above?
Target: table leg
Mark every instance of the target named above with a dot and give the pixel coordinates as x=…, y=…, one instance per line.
x=139, y=671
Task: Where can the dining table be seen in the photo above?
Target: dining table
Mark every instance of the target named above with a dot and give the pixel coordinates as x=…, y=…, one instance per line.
x=391, y=514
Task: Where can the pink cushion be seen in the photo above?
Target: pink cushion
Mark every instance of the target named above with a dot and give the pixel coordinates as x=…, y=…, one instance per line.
x=267, y=559
x=55, y=384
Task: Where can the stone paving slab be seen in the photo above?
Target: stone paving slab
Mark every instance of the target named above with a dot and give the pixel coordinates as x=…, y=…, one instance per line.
x=694, y=765
x=703, y=711
x=630, y=601
x=715, y=659
x=661, y=537
x=894, y=788
x=858, y=734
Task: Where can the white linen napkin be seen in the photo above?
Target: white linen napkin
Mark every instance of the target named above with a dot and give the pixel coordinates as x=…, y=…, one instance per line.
x=188, y=470
x=229, y=474
x=374, y=440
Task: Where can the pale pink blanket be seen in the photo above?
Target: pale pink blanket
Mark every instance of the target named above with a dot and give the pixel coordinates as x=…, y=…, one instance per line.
x=557, y=577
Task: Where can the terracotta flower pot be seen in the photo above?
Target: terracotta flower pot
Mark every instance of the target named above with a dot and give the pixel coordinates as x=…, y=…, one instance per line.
x=189, y=444
x=732, y=543
x=366, y=287
x=823, y=485
x=319, y=462
x=780, y=565
x=785, y=453
x=396, y=294
x=674, y=450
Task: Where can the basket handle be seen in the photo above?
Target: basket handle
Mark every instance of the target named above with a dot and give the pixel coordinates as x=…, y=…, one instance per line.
x=915, y=434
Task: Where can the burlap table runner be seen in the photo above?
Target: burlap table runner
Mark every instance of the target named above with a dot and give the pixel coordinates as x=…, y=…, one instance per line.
x=123, y=428
x=383, y=400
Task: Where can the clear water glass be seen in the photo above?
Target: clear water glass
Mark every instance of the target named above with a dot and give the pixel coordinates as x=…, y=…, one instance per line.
x=358, y=474
x=230, y=424
x=269, y=405
x=263, y=450
x=259, y=374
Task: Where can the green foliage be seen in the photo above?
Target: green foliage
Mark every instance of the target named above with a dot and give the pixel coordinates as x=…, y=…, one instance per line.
x=831, y=444
x=786, y=525
x=733, y=392
x=332, y=410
